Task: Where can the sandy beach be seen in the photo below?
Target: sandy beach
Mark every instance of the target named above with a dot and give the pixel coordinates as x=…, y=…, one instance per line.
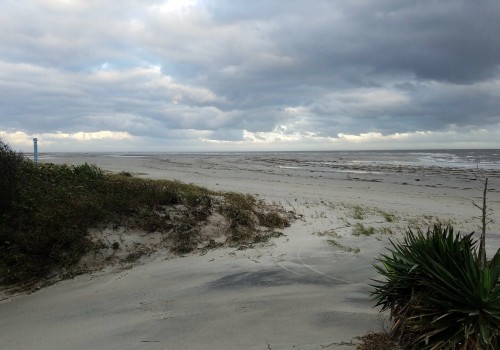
x=309, y=289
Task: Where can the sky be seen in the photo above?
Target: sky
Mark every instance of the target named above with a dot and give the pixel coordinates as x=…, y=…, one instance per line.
x=238, y=75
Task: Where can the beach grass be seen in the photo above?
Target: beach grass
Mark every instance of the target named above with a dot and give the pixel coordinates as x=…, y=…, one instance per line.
x=47, y=211
x=387, y=216
x=358, y=212
x=333, y=240
x=336, y=244
x=360, y=229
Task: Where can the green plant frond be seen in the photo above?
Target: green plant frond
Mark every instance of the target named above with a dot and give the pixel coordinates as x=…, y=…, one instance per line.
x=416, y=266
x=494, y=265
x=494, y=316
x=444, y=284
x=484, y=331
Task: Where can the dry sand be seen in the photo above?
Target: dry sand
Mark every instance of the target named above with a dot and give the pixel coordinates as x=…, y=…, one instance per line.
x=296, y=292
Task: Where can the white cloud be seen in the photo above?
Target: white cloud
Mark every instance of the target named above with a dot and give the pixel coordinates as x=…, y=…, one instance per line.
x=376, y=136
x=369, y=98
x=88, y=136
x=17, y=139
x=281, y=139
x=175, y=7
x=21, y=140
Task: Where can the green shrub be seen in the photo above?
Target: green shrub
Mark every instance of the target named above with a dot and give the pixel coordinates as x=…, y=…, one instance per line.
x=91, y=172
x=244, y=201
x=47, y=210
x=10, y=163
x=437, y=295
x=239, y=209
x=125, y=174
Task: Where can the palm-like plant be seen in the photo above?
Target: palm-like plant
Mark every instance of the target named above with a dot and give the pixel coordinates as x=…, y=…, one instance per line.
x=437, y=294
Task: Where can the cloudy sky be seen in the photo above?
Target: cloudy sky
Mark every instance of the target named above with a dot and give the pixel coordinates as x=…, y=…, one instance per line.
x=232, y=75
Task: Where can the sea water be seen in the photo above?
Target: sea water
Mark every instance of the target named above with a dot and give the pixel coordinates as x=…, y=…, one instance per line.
x=488, y=159
x=482, y=159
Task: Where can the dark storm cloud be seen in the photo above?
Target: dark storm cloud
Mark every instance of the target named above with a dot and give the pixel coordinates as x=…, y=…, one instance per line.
x=453, y=41
x=372, y=45
x=213, y=69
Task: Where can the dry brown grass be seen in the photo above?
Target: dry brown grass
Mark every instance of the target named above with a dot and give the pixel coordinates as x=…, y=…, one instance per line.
x=377, y=341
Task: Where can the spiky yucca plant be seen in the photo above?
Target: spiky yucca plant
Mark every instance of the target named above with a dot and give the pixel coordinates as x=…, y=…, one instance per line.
x=437, y=294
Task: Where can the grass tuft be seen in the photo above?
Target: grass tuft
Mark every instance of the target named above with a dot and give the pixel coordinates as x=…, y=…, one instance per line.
x=388, y=217
x=337, y=244
x=332, y=240
x=358, y=213
x=360, y=229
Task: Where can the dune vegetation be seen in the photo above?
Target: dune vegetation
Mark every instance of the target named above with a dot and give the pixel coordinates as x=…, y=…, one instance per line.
x=47, y=210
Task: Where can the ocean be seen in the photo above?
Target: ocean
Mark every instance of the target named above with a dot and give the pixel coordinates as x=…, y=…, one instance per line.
x=486, y=159
x=483, y=159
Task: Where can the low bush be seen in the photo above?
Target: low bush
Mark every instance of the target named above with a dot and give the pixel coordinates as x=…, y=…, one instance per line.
x=10, y=163
x=437, y=295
